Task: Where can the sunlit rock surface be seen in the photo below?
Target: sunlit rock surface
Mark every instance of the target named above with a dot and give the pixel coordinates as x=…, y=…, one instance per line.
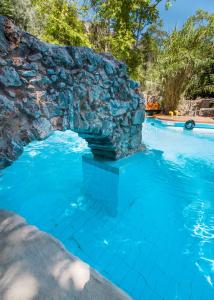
x=45, y=87
x=33, y=265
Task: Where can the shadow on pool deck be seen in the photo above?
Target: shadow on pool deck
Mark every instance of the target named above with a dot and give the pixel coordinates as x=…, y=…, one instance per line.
x=34, y=265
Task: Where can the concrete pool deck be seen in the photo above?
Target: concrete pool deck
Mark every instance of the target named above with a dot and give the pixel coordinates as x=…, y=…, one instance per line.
x=35, y=266
x=197, y=119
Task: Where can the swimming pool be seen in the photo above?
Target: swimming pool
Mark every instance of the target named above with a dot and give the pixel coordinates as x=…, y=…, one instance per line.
x=146, y=222
x=181, y=124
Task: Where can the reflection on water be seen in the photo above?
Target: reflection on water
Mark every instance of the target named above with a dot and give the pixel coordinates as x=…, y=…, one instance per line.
x=145, y=222
x=199, y=221
x=193, y=153
x=178, y=144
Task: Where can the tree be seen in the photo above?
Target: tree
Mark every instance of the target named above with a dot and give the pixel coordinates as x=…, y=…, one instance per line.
x=202, y=83
x=127, y=22
x=22, y=13
x=184, y=53
x=61, y=22
x=98, y=33
x=6, y=8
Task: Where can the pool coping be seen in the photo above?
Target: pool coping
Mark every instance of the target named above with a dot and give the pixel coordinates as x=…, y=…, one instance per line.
x=176, y=122
x=35, y=265
x=204, y=120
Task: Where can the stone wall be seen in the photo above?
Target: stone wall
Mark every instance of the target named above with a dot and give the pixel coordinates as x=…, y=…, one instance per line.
x=46, y=87
x=203, y=107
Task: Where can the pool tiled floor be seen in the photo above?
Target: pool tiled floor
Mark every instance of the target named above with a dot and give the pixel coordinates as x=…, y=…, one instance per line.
x=148, y=228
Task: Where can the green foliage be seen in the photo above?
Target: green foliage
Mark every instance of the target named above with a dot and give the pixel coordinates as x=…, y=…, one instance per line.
x=184, y=53
x=61, y=22
x=127, y=16
x=21, y=11
x=171, y=65
x=24, y=15
x=202, y=83
x=6, y=8
x=56, y=21
x=118, y=27
x=99, y=35
x=127, y=22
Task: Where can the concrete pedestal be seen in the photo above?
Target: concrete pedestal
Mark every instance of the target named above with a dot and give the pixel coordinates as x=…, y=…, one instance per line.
x=106, y=182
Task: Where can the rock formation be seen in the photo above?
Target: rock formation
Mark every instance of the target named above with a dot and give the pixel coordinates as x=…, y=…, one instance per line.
x=46, y=87
x=203, y=107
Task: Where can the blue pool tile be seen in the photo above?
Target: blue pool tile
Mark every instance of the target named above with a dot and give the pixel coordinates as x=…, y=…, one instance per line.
x=144, y=228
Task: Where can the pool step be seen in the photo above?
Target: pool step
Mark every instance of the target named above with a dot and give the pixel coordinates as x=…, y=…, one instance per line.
x=34, y=265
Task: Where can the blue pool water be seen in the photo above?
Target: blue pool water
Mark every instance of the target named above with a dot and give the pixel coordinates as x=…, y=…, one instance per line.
x=146, y=222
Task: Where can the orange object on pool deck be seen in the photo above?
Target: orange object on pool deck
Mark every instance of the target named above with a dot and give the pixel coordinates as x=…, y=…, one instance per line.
x=152, y=106
x=156, y=105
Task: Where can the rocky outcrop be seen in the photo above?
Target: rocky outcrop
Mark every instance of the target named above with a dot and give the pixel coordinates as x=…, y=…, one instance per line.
x=46, y=87
x=203, y=107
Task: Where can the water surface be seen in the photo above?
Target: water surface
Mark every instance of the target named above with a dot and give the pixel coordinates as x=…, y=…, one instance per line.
x=149, y=229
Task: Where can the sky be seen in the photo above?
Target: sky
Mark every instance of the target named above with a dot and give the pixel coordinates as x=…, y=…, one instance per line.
x=181, y=10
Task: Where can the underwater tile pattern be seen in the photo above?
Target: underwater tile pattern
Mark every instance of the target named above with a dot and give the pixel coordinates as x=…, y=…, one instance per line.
x=149, y=227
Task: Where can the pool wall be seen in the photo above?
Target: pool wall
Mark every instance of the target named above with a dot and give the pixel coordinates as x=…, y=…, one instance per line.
x=181, y=124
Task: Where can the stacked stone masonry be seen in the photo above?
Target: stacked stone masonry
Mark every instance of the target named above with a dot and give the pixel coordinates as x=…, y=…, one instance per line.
x=45, y=87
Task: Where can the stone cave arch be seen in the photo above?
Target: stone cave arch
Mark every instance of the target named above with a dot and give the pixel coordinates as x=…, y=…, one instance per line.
x=45, y=87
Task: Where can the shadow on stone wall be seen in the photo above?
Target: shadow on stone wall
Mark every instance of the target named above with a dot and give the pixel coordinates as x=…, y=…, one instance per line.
x=46, y=87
